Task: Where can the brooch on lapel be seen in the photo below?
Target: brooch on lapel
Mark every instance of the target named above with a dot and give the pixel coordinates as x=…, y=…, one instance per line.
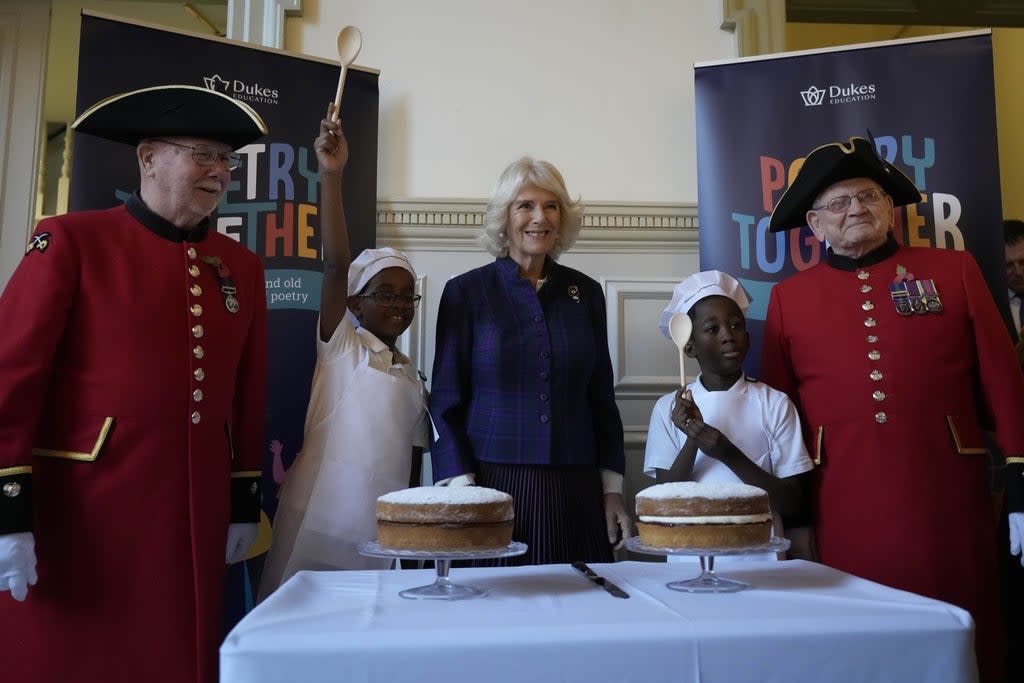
x=38, y=243
x=227, y=286
x=574, y=292
x=911, y=295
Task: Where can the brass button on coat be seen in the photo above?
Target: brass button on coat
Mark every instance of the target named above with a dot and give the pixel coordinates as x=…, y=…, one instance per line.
x=196, y=290
x=881, y=417
x=876, y=375
x=863, y=275
x=878, y=395
x=191, y=252
x=198, y=352
x=873, y=354
x=196, y=417
x=193, y=270
x=196, y=310
x=197, y=395
x=199, y=374
x=867, y=306
x=869, y=322
x=197, y=331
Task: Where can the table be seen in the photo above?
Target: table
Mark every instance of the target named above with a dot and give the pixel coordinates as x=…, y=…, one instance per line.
x=802, y=621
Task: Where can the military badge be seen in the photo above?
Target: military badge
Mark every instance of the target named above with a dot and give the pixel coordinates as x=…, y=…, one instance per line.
x=931, y=296
x=900, y=297
x=574, y=292
x=901, y=292
x=227, y=285
x=38, y=243
x=911, y=295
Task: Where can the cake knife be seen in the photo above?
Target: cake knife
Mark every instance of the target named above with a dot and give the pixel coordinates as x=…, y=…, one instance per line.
x=599, y=580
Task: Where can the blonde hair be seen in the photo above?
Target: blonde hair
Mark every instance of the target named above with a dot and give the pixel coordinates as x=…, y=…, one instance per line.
x=520, y=173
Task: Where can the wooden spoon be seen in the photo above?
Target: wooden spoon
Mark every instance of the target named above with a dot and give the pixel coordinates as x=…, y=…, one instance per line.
x=350, y=41
x=680, y=327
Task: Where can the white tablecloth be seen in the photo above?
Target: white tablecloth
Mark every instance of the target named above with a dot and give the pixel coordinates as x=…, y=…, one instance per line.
x=801, y=622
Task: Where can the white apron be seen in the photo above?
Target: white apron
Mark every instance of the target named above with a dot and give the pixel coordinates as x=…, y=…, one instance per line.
x=360, y=450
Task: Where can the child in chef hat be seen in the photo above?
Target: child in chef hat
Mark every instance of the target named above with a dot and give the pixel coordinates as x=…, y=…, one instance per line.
x=724, y=426
x=366, y=423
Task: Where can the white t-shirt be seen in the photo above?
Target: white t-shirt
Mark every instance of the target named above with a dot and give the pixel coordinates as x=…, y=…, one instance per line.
x=762, y=422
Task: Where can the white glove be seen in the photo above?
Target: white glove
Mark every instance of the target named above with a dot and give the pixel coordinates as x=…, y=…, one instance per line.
x=240, y=536
x=1017, y=534
x=18, y=563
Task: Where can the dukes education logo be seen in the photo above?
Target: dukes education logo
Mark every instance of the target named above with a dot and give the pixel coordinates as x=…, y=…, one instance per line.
x=241, y=90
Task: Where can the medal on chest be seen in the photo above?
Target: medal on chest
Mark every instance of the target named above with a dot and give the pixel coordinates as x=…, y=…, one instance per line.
x=913, y=296
x=227, y=285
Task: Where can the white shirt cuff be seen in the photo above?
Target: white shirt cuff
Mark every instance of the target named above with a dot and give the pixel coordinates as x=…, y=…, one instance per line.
x=611, y=481
x=468, y=479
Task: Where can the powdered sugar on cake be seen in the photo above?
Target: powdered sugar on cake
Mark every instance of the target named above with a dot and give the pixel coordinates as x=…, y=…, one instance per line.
x=461, y=495
x=693, y=489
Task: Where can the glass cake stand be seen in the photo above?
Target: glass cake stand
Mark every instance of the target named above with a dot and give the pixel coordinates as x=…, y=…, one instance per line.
x=708, y=581
x=442, y=588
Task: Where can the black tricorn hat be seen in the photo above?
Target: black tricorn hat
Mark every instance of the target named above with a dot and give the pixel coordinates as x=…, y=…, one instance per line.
x=830, y=164
x=172, y=110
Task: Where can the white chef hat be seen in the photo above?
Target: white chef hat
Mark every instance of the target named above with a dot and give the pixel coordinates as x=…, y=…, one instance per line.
x=696, y=287
x=371, y=262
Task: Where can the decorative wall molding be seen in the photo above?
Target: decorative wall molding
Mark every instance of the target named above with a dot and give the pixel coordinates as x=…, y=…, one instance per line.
x=620, y=296
x=638, y=252
x=454, y=224
x=413, y=342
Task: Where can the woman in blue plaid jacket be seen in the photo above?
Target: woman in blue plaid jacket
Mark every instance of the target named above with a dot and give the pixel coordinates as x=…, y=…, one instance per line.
x=522, y=394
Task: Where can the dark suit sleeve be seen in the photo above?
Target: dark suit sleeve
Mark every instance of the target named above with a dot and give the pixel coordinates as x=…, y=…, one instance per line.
x=450, y=387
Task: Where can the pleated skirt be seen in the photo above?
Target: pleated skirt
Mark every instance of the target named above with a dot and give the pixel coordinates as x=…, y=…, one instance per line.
x=559, y=512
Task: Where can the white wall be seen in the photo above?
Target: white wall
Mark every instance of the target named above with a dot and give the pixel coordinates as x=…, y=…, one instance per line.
x=601, y=88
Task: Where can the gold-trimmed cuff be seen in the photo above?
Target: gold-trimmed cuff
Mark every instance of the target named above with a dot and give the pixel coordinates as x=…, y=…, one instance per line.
x=15, y=499
x=246, y=496
x=1015, y=484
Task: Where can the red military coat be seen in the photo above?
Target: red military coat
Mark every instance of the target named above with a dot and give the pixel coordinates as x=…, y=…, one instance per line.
x=894, y=410
x=137, y=399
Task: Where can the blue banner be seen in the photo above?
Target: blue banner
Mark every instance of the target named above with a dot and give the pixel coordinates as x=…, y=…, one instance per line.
x=930, y=107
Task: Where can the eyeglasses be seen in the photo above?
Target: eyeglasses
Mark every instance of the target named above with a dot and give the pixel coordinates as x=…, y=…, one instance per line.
x=842, y=203
x=204, y=155
x=391, y=300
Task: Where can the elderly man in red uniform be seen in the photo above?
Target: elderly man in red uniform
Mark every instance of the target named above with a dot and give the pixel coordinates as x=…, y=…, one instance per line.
x=132, y=373
x=897, y=359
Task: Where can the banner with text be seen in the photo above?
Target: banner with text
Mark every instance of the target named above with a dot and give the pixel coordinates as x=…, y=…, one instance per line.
x=271, y=205
x=929, y=104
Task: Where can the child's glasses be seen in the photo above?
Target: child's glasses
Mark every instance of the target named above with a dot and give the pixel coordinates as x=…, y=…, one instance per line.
x=391, y=300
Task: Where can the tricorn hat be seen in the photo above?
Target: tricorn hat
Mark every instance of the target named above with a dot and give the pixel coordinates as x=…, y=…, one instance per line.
x=169, y=111
x=830, y=164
